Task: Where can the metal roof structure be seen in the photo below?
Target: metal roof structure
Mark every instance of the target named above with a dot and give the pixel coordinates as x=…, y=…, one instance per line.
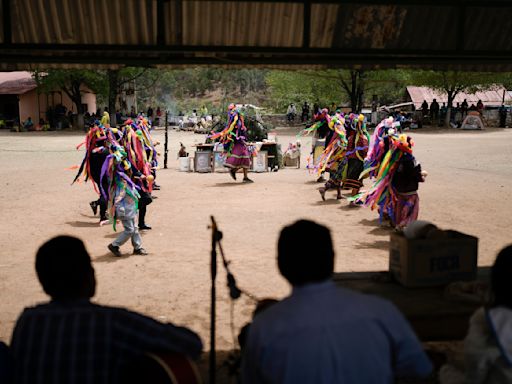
x=494, y=97
x=16, y=83
x=452, y=34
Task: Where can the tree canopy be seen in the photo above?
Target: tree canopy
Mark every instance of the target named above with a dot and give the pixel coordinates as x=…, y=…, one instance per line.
x=214, y=88
x=452, y=83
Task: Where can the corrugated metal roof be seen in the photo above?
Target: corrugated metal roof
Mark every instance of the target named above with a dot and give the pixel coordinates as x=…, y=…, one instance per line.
x=16, y=83
x=427, y=33
x=492, y=97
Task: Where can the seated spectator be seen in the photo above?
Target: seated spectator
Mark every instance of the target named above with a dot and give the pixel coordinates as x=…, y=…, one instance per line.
x=488, y=344
x=40, y=126
x=72, y=340
x=5, y=364
x=323, y=333
x=261, y=306
x=28, y=124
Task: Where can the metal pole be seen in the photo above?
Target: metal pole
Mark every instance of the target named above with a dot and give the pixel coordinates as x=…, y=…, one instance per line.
x=166, y=141
x=212, y=367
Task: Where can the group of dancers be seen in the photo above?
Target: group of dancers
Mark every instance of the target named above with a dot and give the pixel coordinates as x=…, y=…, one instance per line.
x=350, y=155
x=121, y=162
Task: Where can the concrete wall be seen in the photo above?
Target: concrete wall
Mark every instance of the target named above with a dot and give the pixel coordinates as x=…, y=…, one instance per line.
x=29, y=106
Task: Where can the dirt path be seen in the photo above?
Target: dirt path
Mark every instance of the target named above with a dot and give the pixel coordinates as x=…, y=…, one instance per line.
x=469, y=188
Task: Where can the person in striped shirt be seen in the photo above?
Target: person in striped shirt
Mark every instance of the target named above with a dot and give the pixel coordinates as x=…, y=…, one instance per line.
x=73, y=340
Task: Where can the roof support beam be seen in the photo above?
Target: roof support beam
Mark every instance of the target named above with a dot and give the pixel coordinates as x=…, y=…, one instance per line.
x=427, y=3
x=64, y=50
x=178, y=7
x=160, y=20
x=461, y=29
x=7, y=29
x=306, y=30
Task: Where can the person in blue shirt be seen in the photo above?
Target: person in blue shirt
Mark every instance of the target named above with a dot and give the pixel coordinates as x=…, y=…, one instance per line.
x=323, y=333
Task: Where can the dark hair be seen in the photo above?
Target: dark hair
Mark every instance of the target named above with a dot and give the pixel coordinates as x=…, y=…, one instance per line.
x=304, y=252
x=501, y=283
x=64, y=268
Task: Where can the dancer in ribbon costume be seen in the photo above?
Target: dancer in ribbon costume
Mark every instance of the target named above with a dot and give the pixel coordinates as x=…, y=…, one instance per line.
x=357, y=148
x=394, y=192
x=123, y=196
x=379, y=147
x=333, y=156
x=321, y=130
x=142, y=156
x=233, y=137
x=96, y=151
x=405, y=182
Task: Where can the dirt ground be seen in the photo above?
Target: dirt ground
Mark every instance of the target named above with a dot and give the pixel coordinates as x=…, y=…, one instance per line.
x=468, y=188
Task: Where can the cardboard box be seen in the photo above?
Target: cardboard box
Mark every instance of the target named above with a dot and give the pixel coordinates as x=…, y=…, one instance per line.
x=429, y=262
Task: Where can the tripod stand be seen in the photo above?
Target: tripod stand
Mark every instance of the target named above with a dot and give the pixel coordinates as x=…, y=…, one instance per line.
x=234, y=292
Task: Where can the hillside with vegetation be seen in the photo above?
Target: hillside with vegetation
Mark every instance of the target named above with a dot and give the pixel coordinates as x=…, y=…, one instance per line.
x=183, y=90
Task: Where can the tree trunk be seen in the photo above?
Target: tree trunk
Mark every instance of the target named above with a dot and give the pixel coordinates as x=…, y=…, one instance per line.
x=76, y=97
x=113, y=81
x=360, y=91
x=353, y=91
x=80, y=121
x=447, y=118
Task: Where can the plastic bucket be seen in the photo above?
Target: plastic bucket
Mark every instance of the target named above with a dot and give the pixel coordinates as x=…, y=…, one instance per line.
x=185, y=164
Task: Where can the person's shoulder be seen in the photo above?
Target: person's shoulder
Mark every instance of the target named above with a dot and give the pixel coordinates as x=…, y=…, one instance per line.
x=35, y=309
x=478, y=317
x=367, y=299
x=124, y=315
x=366, y=304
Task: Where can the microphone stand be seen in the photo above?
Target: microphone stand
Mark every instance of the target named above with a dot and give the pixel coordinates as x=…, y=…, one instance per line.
x=234, y=292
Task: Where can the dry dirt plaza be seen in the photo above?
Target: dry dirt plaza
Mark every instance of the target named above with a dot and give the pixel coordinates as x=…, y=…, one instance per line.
x=469, y=188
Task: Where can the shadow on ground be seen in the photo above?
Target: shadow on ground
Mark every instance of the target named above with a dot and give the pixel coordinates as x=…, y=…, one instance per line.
x=381, y=231
x=110, y=258
x=326, y=202
x=348, y=207
x=229, y=184
x=377, y=244
x=370, y=223
x=82, y=224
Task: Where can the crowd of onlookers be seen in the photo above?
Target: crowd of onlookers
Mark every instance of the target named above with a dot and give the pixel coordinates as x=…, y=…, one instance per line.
x=320, y=333
x=428, y=114
x=59, y=117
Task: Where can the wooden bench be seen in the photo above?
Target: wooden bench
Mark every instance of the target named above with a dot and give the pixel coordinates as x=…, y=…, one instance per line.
x=433, y=315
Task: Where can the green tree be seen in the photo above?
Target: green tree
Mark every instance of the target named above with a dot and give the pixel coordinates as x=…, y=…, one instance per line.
x=352, y=87
x=116, y=78
x=72, y=82
x=287, y=87
x=452, y=83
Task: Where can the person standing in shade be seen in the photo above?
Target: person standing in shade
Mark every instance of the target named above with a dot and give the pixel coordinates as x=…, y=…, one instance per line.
x=503, y=116
x=324, y=333
x=480, y=107
x=464, y=108
x=434, y=112
x=305, y=112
